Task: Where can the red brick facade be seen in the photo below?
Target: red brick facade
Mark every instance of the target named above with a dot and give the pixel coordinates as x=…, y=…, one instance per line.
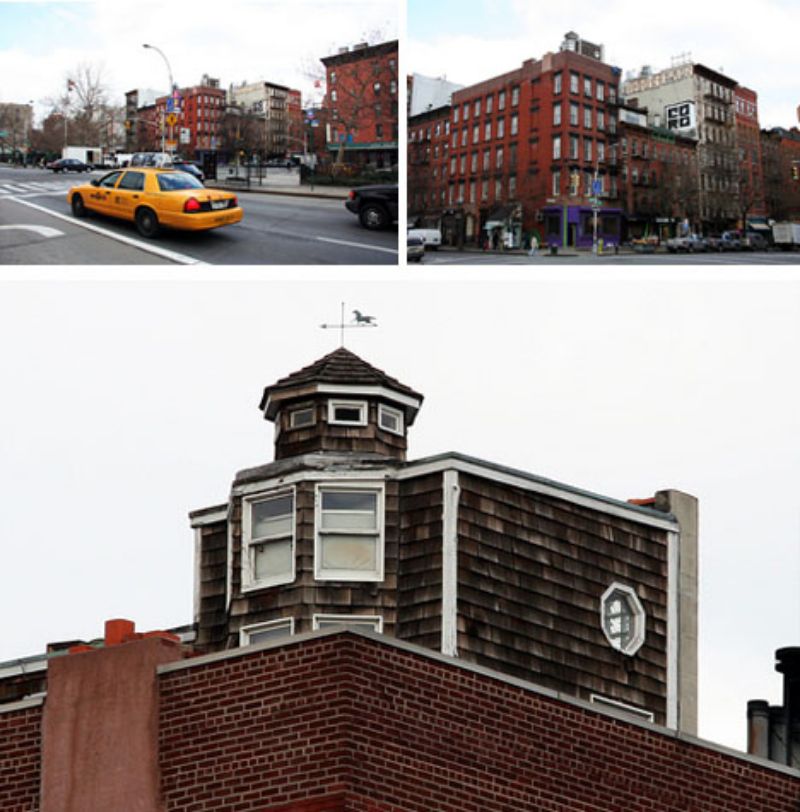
x=748, y=143
x=203, y=108
x=361, y=99
x=780, y=149
x=344, y=721
x=523, y=151
x=657, y=178
x=20, y=756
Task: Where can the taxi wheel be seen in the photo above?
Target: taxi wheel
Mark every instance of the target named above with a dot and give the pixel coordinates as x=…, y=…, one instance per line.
x=147, y=222
x=78, y=206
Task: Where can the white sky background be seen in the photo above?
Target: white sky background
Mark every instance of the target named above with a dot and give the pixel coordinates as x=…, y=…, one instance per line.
x=232, y=41
x=755, y=44
x=127, y=404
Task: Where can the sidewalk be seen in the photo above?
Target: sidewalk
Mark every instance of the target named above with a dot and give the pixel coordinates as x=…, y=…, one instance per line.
x=322, y=192
x=542, y=252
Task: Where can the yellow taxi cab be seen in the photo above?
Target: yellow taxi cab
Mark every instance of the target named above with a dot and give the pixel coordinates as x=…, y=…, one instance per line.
x=153, y=197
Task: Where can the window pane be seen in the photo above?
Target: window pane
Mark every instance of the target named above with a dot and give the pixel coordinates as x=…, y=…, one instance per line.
x=349, y=500
x=302, y=417
x=348, y=413
x=348, y=520
x=342, y=552
x=272, y=558
x=272, y=633
x=270, y=527
x=324, y=623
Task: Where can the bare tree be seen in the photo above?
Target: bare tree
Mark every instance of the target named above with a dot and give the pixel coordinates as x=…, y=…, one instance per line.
x=85, y=104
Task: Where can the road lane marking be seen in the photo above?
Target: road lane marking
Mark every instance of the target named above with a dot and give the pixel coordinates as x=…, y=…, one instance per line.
x=174, y=256
x=357, y=245
x=44, y=231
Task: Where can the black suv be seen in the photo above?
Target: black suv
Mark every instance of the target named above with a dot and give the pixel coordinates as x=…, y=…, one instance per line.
x=376, y=206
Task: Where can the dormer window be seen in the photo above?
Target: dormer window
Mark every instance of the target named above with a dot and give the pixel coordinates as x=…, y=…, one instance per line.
x=268, y=540
x=301, y=417
x=349, y=533
x=390, y=419
x=347, y=412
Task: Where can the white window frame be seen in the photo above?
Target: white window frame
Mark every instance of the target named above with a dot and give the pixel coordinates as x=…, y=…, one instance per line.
x=639, y=619
x=249, y=582
x=346, y=620
x=255, y=628
x=361, y=405
x=391, y=412
x=377, y=574
x=302, y=410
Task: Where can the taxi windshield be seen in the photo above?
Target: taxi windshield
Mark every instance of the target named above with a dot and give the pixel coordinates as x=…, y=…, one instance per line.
x=175, y=181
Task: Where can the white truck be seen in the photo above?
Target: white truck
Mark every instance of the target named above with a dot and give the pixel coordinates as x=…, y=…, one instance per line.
x=89, y=155
x=786, y=235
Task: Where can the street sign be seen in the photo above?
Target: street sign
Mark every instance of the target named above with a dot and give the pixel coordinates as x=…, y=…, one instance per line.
x=172, y=119
x=186, y=135
x=597, y=187
x=171, y=145
x=170, y=105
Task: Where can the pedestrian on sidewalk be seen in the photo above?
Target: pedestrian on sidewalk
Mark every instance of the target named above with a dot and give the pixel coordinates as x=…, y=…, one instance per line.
x=534, y=249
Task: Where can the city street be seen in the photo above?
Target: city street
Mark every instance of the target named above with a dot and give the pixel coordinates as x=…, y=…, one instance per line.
x=606, y=260
x=276, y=230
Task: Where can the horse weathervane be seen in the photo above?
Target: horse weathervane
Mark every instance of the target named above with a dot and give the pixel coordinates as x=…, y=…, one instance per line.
x=359, y=320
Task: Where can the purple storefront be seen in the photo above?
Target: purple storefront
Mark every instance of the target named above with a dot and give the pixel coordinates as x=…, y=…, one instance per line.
x=573, y=226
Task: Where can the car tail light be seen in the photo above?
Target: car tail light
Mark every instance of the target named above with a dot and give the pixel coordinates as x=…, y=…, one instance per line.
x=192, y=204
x=234, y=203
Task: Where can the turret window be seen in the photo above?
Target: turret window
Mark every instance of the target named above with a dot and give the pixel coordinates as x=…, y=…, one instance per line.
x=347, y=412
x=268, y=555
x=301, y=417
x=349, y=533
x=390, y=419
x=266, y=632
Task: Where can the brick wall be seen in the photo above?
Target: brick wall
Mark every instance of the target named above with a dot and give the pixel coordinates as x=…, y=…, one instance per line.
x=299, y=726
x=20, y=743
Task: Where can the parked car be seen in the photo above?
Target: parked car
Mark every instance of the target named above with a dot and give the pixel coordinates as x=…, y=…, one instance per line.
x=431, y=237
x=415, y=248
x=285, y=163
x=154, y=197
x=162, y=159
x=731, y=241
x=188, y=166
x=376, y=206
x=755, y=241
x=69, y=165
x=690, y=243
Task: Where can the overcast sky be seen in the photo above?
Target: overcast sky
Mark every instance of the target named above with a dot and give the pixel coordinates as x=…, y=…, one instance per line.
x=233, y=41
x=755, y=44
x=127, y=404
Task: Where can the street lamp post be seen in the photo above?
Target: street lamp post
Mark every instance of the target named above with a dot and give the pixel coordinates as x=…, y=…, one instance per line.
x=171, y=90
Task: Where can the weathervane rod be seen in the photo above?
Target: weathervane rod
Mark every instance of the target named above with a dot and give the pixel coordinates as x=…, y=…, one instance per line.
x=359, y=320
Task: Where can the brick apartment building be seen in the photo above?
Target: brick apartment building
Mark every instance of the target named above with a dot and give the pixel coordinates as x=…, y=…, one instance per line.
x=752, y=205
x=525, y=151
x=780, y=150
x=377, y=634
x=694, y=100
x=142, y=125
x=199, y=114
x=653, y=171
x=361, y=99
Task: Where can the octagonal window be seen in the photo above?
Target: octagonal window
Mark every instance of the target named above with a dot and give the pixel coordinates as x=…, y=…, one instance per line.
x=622, y=618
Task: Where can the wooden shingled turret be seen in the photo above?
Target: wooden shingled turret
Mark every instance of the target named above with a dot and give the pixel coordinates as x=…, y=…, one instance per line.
x=340, y=403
